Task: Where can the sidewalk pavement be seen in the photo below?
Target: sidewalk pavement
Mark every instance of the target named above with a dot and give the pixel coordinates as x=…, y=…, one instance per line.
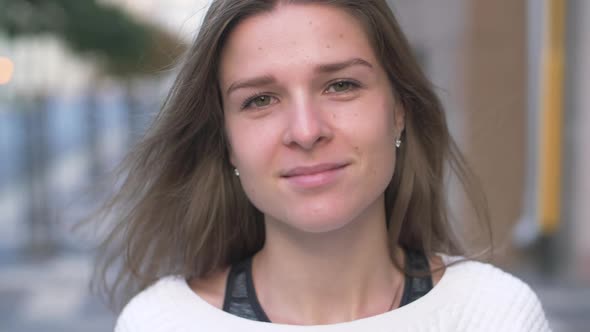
x=50, y=296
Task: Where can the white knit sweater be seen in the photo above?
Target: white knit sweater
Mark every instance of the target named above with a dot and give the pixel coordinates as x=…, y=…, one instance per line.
x=471, y=296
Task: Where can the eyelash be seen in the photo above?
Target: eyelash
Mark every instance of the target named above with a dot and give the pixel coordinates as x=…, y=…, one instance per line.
x=353, y=86
x=251, y=99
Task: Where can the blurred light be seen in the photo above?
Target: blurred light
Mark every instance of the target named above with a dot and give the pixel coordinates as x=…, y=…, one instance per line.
x=6, y=70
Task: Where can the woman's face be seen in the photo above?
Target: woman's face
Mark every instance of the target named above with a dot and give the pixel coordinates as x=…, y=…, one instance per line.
x=310, y=116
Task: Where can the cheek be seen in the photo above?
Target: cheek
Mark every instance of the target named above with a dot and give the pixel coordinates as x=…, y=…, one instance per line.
x=248, y=155
x=373, y=124
x=379, y=136
x=251, y=146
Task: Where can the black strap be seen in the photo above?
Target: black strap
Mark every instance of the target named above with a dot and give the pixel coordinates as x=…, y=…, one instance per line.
x=416, y=286
x=240, y=295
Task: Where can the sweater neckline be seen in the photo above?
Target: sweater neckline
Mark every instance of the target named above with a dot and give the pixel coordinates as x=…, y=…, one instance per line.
x=402, y=316
x=241, y=296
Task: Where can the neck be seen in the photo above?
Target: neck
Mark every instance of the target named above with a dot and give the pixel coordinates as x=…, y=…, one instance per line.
x=343, y=275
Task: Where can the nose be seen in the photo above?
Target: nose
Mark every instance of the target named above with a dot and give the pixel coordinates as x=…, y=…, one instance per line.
x=307, y=125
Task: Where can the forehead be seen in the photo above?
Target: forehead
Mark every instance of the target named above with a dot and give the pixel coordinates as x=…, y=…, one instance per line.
x=293, y=35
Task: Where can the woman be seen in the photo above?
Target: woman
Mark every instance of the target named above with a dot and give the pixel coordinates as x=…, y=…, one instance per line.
x=294, y=180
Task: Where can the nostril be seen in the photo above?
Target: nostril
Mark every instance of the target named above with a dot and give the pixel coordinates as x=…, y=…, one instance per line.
x=307, y=127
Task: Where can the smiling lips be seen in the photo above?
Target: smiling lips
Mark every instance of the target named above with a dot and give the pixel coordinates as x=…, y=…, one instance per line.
x=313, y=176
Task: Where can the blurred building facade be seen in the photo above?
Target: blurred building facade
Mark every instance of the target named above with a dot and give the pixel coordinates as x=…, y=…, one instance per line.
x=484, y=57
x=473, y=59
x=577, y=135
x=487, y=57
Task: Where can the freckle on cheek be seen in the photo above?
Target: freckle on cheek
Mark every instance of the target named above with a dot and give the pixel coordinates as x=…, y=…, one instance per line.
x=341, y=36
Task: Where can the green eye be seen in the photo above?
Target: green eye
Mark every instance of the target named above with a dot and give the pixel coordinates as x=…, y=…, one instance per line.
x=341, y=86
x=261, y=101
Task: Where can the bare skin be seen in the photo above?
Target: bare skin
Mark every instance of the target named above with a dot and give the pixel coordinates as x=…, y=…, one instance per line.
x=212, y=288
x=332, y=277
x=312, y=120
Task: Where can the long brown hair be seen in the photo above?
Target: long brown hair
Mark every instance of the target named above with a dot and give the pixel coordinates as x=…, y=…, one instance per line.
x=181, y=211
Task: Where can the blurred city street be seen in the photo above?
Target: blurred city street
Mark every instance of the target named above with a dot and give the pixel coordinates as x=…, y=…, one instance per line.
x=73, y=102
x=49, y=295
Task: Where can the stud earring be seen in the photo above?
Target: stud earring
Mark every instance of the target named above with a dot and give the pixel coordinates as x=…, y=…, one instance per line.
x=398, y=142
x=236, y=172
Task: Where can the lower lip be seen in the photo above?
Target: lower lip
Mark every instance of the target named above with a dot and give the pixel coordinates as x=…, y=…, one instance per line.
x=315, y=180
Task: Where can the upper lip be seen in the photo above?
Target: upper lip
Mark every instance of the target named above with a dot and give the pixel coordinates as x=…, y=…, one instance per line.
x=314, y=169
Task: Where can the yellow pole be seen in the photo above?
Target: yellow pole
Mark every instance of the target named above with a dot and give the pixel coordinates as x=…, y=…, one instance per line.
x=552, y=117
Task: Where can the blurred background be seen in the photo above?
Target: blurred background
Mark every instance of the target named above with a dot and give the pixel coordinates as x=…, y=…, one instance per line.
x=81, y=79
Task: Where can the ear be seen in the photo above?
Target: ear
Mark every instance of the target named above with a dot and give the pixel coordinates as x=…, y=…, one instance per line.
x=232, y=158
x=229, y=148
x=399, y=119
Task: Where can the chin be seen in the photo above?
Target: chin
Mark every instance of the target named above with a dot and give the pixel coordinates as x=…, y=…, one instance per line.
x=322, y=215
x=320, y=227
x=319, y=223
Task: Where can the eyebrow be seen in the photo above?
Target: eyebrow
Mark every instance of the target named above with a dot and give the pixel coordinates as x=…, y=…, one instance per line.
x=251, y=83
x=334, y=67
x=323, y=69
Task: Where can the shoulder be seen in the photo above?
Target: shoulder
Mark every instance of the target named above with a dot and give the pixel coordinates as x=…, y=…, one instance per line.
x=488, y=295
x=485, y=278
x=211, y=288
x=168, y=301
